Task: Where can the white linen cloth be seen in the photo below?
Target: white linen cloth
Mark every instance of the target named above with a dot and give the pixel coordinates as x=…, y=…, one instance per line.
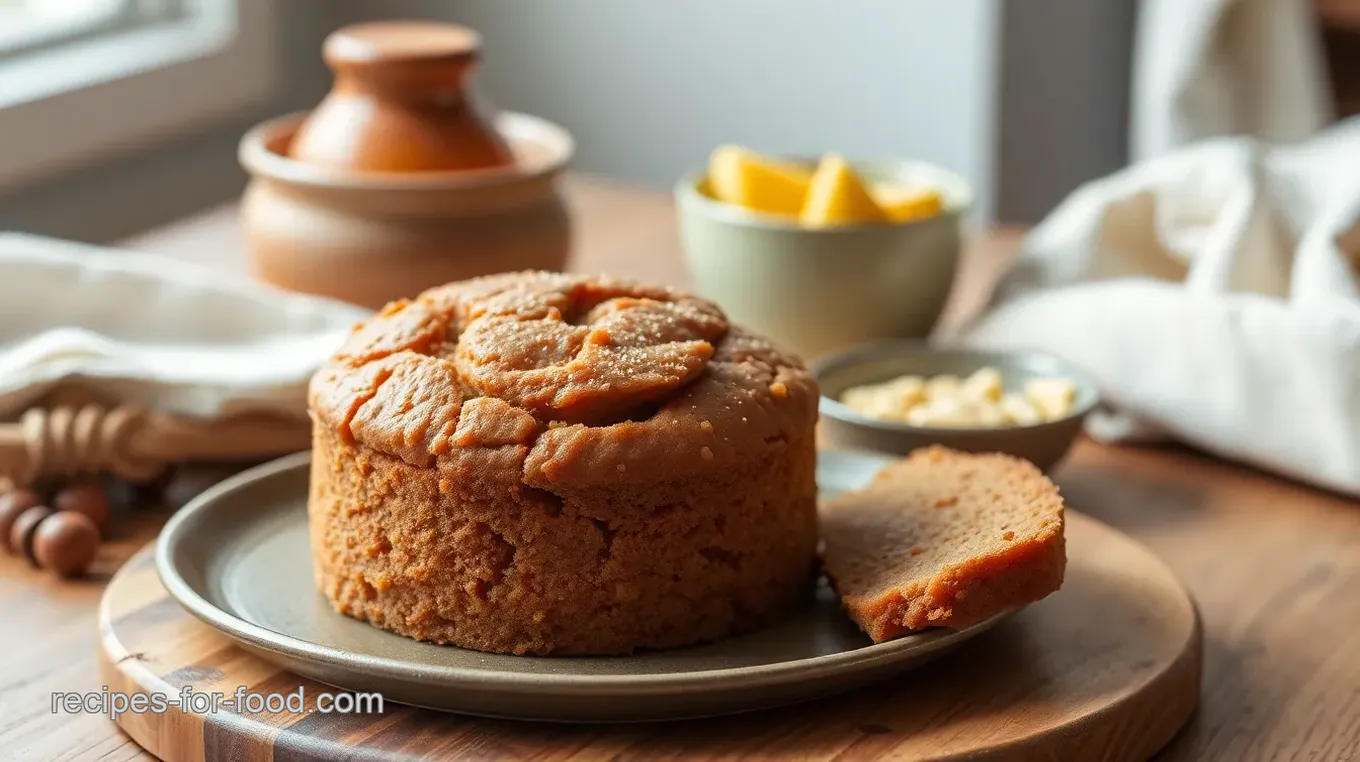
x=171, y=336
x=1211, y=68
x=1213, y=293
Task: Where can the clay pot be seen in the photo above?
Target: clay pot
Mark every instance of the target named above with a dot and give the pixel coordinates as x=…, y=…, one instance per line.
x=395, y=184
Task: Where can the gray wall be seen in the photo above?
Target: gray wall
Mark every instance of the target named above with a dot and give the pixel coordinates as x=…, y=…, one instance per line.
x=1064, y=99
x=649, y=88
x=1026, y=99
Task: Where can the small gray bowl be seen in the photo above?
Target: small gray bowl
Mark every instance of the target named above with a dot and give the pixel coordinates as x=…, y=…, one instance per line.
x=1042, y=444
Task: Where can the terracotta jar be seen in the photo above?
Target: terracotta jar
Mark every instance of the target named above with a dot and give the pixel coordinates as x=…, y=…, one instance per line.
x=400, y=103
x=395, y=183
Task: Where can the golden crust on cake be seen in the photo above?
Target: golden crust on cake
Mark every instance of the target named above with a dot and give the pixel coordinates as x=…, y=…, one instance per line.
x=547, y=463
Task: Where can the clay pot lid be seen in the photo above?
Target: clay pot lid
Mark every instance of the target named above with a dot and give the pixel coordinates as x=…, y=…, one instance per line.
x=379, y=42
x=398, y=116
x=401, y=101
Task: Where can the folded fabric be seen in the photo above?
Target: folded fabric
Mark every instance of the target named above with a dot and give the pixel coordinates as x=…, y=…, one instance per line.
x=1226, y=67
x=171, y=336
x=1213, y=293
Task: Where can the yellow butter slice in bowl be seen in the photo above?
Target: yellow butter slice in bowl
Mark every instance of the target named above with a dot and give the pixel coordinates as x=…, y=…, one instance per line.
x=837, y=196
x=903, y=203
x=740, y=176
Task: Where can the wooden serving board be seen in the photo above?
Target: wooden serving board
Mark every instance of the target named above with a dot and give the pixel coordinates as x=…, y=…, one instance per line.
x=1106, y=669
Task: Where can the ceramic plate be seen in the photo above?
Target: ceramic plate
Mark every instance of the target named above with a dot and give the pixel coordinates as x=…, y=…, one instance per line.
x=238, y=559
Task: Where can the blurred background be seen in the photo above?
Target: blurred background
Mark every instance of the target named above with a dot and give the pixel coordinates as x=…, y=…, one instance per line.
x=121, y=115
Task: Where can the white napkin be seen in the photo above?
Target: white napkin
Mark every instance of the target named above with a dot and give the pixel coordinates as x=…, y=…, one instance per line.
x=1213, y=293
x=171, y=336
x=1205, y=68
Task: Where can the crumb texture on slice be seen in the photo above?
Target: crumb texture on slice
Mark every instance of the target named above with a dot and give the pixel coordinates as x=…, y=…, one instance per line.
x=943, y=539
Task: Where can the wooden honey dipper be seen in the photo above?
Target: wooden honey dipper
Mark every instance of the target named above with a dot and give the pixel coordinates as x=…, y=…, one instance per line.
x=133, y=443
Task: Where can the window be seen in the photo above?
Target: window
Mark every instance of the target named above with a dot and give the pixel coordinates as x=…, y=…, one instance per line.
x=29, y=24
x=80, y=79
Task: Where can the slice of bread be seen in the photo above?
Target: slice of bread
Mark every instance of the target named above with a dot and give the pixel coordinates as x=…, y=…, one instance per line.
x=943, y=539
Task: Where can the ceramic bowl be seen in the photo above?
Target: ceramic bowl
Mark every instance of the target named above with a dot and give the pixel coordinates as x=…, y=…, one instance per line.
x=371, y=237
x=816, y=290
x=1043, y=444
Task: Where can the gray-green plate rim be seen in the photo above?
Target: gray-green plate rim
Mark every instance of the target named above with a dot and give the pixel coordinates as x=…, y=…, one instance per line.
x=253, y=635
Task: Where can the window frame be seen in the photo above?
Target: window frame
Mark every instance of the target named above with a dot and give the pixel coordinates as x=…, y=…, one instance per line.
x=72, y=104
x=124, y=12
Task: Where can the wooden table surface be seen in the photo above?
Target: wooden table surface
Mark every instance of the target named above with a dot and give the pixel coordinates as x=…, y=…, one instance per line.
x=1274, y=566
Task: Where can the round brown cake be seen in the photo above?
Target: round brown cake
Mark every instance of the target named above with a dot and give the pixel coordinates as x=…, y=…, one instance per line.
x=545, y=463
